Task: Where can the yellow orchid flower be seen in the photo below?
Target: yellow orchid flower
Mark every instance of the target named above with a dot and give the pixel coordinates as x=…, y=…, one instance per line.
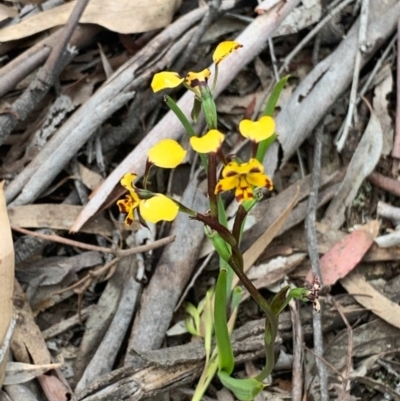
x=166, y=154
x=243, y=177
x=208, y=143
x=128, y=206
x=158, y=208
x=259, y=130
x=169, y=79
x=155, y=209
x=224, y=49
x=195, y=80
x=127, y=181
x=165, y=79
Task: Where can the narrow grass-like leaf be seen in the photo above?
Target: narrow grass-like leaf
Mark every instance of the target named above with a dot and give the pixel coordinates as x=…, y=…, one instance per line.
x=225, y=352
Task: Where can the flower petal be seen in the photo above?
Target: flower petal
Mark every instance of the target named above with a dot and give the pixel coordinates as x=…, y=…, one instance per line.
x=165, y=79
x=256, y=175
x=128, y=205
x=197, y=79
x=158, y=208
x=208, y=143
x=257, y=130
x=260, y=180
x=224, y=49
x=243, y=191
x=226, y=184
x=167, y=154
x=127, y=182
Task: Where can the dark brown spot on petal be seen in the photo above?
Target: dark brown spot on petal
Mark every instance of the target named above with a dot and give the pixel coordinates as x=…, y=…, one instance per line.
x=240, y=197
x=231, y=174
x=255, y=170
x=123, y=208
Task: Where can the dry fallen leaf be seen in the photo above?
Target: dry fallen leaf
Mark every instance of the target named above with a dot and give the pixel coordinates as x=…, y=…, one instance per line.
x=363, y=162
x=7, y=12
x=6, y=275
x=90, y=178
x=28, y=346
x=381, y=107
x=18, y=372
x=366, y=295
x=252, y=254
x=123, y=16
x=344, y=256
x=58, y=217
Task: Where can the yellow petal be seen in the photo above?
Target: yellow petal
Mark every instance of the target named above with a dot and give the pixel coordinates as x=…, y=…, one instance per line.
x=234, y=168
x=197, y=79
x=244, y=192
x=128, y=206
x=257, y=130
x=158, y=208
x=260, y=180
x=208, y=143
x=127, y=182
x=165, y=79
x=167, y=154
x=226, y=184
x=224, y=49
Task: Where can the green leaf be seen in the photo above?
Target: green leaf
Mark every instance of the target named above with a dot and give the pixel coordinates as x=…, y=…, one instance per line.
x=192, y=321
x=263, y=147
x=209, y=108
x=207, y=318
x=225, y=352
x=181, y=116
x=236, y=298
x=274, y=96
x=185, y=122
x=269, y=111
x=195, y=110
x=279, y=301
x=244, y=389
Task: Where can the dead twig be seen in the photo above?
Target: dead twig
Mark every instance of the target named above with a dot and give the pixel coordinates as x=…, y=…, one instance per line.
x=210, y=16
x=396, y=147
x=24, y=64
x=45, y=78
x=388, y=184
x=362, y=47
x=51, y=69
x=298, y=338
x=119, y=253
x=66, y=324
x=311, y=34
x=314, y=258
x=349, y=347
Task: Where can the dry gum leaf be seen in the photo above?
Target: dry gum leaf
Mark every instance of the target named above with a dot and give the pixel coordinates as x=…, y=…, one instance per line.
x=7, y=12
x=18, y=372
x=58, y=217
x=366, y=295
x=344, y=256
x=122, y=16
x=363, y=162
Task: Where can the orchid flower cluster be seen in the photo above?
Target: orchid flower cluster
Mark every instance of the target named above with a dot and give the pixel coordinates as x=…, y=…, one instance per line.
x=245, y=178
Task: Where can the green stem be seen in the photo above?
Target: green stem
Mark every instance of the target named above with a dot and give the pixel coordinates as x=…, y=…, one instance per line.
x=212, y=182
